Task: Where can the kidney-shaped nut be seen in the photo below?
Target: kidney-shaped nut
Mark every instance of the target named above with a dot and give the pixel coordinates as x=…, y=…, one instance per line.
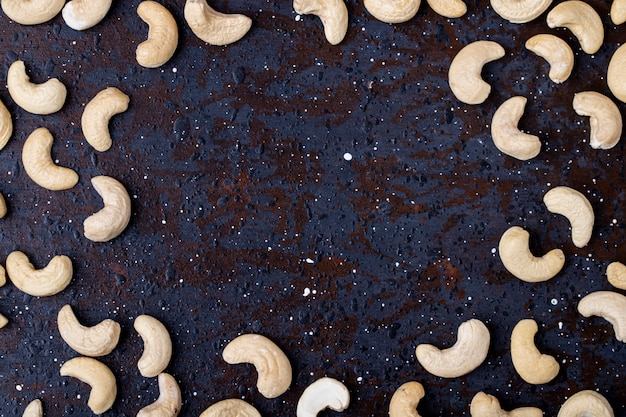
x=392, y=11
x=271, y=363
x=582, y=20
x=94, y=341
x=485, y=405
x=112, y=219
x=3, y=276
x=97, y=114
x=616, y=275
x=213, y=27
x=609, y=305
x=466, y=67
x=84, y=14
x=405, y=400
x=520, y=11
x=50, y=280
x=33, y=409
x=31, y=12
x=6, y=125
x=532, y=366
x=605, y=118
x=576, y=208
x=169, y=402
x=3, y=206
x=467, y=354
x=3, y=321
x=162, y=35
x=448, y=8
x=332, y=13
x=98, y=376
x=231, y=407
x=586, y=403
x=157, y=346
x=556, y=52
x=616, y=76
x=618, y=12
x=518, y=259
x=506, y=135
x=321, y=394
x=45, y=98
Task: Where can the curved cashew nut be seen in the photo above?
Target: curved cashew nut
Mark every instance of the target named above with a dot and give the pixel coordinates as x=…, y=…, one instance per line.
x=213, y=27
x=576, y=208
x=605, y=118
x=485, y=405
x=533, y=366
x=3, y=321
x=582, y=20
x=31, y=12
x=332, y=13
x=3, y=206
x=616, y=274
x=97, y=114
x=157, y=346
x=44, y=98
x=271, y=363
x=618, y=12
x=520, y=11
x=469, y=351
x=616, y=76
x=448, y=8
x=392, y=11
x=506, y=135
x=97, y=340
x=162, y=35
x=465, y=70
x=556, y=51
x=232, y=407
x=3, y=276
x=321, y=394
x=169, y=402
x=97, y=375
x=112, y=219
x=83, y=14
x=519, y=261
x=39, y=282
x=33, y=409
x=6, y=125
x=609, y=305
x=39, y=165
x=405, y=400
x=586, y=403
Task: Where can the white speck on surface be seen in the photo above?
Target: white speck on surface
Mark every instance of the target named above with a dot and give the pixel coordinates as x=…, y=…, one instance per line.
x=554, y=301
x=347, y=156
x=307, y=292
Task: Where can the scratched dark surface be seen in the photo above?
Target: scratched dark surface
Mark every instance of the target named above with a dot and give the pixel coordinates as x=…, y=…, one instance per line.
x=248, y=218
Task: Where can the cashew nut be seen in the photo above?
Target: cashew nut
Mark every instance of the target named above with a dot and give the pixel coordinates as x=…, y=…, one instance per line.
x=609, y=305
x=506, y=135
x=3, y=276
x=520, y=11
x=97, y=340
x=556, y=51
x=465, y=71
x=576, y=208
x=616, y=274
x=405, y=400
x=39, y=282
x=533, y=366
x=97, y=375
x=321, y=394
x=616, y=76
x=332, y=13
x=519, y=261
x=169, y=402
x=113, y=218
x=162, y=35
x=448, y=8
x=39, y=165
x=582, y=20
x=485, y=405
x=271, y=363
x=31, y=12
x=44, y=98
x=392, y=11
x=83, y=14
x=33, y=409
x=3, y=206
x=232, y=407
x=6, y=125
x=97, y=114
x=469, y=351
x=586, y=403
x=157, y=346
x=213, y=27
x=618, y=12
x=3, y=321
x=605, y=118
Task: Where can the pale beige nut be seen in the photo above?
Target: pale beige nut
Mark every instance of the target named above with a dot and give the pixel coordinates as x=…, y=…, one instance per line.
x=467, y=354
x=517, y=258
x=582, y=20
x=162, y=35
x=448, y=8
x=405, y=400
x=3, y=321
x=3, y=276
x=392, y=11
x=576, y=208
x=532, y=366
x=157, y=346
x=98, y=376
x=45, y=98
x=616, y=275
x=605, y=118
x=506, y=135
x=322, y=394
x=520, y=11
x=586, y=403
x=616, y=73
x=85, y=14
x=213, y=27
x=33, y=409
x=50, y=280
x=609, y=305
x=556, y=52
x=6, y=125
x=3, y=206
x=110, y=221
x=38, y=163
x=332, y=13
x=466, y=67
x=618, y=12
x=272, y=365
x=169, y=402
x=97, y=114
x=486, y=405
x=231, y=407
x=97, y=340
x=31, y=12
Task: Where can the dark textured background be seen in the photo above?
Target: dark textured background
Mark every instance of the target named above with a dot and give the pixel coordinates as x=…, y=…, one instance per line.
x=233, y=157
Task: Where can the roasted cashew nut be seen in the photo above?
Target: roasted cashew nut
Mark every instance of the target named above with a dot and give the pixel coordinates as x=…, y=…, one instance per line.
x=112, y=219
x=39, y=282
x=213, y=27
x=321, y=394
x=532, y=366
x=3, y=321
x=6, y=125
x=33, y=409
x=157, y=346
x=616, y=274
x=520, y=11
x=31, y=12
x=332, y=13
x=3, y=206
x=169, y=402
x=466, y=67
x=83, y=14
x=519, y=261
x=556, y=52
x=232, y=407
x=45, y=98
x=97, y=114
x=506, y=135
x=618, y=12
x=448, y=8
x=586, y=403
x=3, y=276
x=615, y=75
x=98, y=376
x=605, y=118
x=271, y=363
x=405, y=400
x=94, y=341
x=467, y=354
x=576, y=208
x=485, y=405
x=392, y=11
x=609, y=305
x=162, y=35
x=582, y=20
